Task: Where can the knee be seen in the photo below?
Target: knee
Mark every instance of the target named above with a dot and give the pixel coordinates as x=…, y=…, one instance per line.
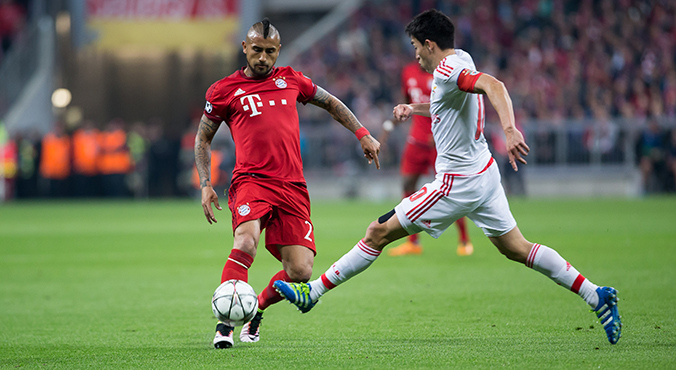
x=375, y=235
x=299, y=273
x=246, y=243
x=515, y=251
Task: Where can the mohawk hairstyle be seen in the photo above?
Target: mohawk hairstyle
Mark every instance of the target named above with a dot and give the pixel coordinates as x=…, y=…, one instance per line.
x=266, y=27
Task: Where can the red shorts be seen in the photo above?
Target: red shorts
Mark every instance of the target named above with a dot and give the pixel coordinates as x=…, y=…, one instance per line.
x=417, y=159
x=282, y=206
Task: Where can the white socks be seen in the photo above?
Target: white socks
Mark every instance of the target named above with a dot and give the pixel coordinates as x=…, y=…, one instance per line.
x=358, y=259
x=548, y=262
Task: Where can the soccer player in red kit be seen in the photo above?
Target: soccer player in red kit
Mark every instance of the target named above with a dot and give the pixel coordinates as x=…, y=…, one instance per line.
x=268, y=190
x=419, y=154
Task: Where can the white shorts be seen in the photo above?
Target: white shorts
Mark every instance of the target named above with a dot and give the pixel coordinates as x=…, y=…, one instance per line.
x=449, y=197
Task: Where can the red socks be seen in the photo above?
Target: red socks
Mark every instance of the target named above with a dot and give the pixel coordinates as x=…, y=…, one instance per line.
x=237, y=266
x=269, y=295
x=413, y=238
x=462, y=230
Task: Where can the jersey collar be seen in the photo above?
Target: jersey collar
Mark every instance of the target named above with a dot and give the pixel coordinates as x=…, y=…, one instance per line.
x=243, y=75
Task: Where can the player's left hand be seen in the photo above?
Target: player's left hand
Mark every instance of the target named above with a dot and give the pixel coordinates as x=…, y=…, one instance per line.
x=516, y=147
x=371, y=148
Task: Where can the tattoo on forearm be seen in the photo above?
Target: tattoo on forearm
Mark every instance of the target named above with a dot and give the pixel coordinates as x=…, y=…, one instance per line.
x=338, y=110
x=205, y=133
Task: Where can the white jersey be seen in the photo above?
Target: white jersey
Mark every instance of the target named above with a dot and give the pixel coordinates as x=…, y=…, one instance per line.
x=458, y=117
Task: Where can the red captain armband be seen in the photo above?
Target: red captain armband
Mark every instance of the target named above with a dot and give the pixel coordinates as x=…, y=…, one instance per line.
x=467, y=79
x=361, y=133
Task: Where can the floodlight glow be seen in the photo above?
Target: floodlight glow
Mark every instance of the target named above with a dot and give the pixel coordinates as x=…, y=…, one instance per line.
x=61, y=98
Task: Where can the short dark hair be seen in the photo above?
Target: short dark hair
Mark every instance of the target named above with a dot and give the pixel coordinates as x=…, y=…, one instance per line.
x=432, y=25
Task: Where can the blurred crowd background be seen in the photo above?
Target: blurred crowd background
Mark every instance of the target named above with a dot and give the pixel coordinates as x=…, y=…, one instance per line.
x=592, y=82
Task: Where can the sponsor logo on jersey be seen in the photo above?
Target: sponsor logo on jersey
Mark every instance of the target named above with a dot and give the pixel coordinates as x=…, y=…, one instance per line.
x=427, y=223
x=244, y=210
x=251, y=102
x=208, y=107
x=239, y=92
x=280, y=83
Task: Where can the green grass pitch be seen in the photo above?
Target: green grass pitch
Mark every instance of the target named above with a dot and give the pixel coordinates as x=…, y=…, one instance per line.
x=128, y=285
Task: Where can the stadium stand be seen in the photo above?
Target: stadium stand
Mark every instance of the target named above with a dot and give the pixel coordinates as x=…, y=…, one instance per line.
x=593, y=85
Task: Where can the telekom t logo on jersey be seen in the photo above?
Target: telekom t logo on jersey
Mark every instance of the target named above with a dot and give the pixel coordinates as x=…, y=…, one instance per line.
x=253, y=102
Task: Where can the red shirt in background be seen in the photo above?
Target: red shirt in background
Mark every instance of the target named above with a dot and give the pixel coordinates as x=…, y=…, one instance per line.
x=417, y=85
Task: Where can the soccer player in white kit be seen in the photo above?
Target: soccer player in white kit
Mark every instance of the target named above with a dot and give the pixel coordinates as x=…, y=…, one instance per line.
x=467, y=182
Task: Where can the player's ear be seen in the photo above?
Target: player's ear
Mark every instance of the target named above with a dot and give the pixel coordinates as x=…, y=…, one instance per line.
x=428, y=45
x=244, y=47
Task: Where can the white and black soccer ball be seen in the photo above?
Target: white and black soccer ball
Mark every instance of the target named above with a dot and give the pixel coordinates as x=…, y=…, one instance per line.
x=234, y=302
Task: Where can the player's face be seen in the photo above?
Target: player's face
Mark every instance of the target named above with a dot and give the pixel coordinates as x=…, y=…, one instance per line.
x=261, y=54
x=422, y=55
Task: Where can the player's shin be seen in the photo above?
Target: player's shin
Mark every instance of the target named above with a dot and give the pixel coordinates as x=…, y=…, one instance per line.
x=358, y=259
x=548, y=262
x=237, y=266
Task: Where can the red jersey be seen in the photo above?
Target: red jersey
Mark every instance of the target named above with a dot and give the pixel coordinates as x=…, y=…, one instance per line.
x=263, y=120
x=417, y=85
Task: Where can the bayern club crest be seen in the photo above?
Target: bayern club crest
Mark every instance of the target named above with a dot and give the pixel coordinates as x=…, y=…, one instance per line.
x=280, y=83
x=243, y=210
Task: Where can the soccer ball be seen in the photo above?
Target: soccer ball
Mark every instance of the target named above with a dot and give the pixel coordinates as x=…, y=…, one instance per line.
x=234, y=302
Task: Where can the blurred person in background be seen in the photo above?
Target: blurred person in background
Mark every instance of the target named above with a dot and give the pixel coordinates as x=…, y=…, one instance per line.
x=419, y=154
x=12, y=19
x=268, y=190
x=55, y=162
x=114, y=159
x=85, y=180
x=651, y=157
x=163, y=161
x=28, y=162
x=8, y=164
x=138, y=148
x=671, y=160
x=601, y=137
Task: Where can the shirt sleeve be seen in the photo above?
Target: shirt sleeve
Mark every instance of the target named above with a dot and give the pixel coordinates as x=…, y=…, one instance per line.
x=214, y=108
x=467, y=79
x=306, y=88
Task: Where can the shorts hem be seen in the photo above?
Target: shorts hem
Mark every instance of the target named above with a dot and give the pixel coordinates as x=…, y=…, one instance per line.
x=410, y=227
x=498, y=234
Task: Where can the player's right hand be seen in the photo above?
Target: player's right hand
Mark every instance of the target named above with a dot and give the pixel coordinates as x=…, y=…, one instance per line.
x=516, y=147
x=209, y=196
x=402, y=112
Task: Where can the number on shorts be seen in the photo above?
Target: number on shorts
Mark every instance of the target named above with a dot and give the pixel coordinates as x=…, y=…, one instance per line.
x=418, y=194
x=307, y=236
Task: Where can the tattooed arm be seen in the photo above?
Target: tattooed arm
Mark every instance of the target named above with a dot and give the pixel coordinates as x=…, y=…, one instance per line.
x=341, y=113
x=205, y=133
